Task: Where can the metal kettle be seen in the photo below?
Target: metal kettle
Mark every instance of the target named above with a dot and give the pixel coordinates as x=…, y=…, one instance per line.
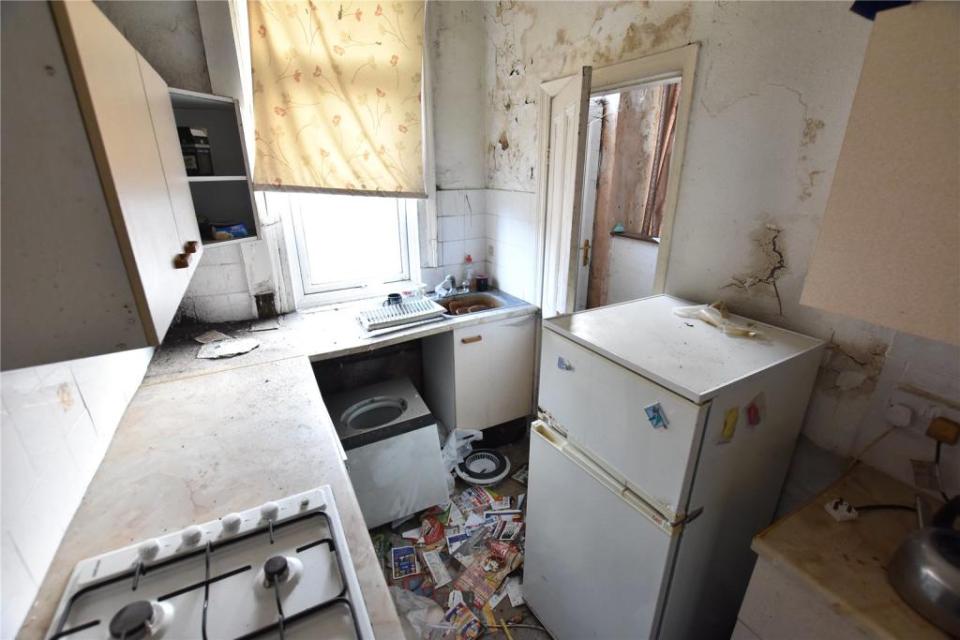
x=925, y=569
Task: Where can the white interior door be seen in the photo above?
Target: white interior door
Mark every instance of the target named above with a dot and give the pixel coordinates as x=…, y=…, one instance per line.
x=591, y=172
x=595, y=563
x=568, y=133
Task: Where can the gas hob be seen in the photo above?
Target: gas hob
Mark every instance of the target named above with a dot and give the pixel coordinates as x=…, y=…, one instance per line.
x=281, y=570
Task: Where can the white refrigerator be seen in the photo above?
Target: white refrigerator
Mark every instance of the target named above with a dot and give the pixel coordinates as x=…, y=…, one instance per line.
x=661, y=450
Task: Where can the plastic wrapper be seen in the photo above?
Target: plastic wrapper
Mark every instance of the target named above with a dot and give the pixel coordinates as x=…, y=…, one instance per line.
x=421, y=617
x=716, y=315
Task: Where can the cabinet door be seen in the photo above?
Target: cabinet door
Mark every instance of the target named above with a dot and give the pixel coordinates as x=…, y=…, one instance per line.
x=108, y=82
x=168, y=145
x=493, y=372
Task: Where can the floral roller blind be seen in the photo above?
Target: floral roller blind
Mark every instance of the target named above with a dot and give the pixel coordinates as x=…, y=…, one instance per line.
x=337, y=95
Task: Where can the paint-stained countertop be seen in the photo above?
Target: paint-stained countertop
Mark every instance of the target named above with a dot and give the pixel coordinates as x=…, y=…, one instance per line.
x=202, y=438
x=323, y=333
x=844, y=563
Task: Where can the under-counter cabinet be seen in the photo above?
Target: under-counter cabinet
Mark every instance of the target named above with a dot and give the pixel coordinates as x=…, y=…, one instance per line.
x=481, y=375
x=99, y=234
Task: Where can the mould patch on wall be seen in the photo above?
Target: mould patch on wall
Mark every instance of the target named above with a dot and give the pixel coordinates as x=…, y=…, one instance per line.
x=651, y=36
x=528, y=44
x=811, y=127
x=770, y=265
x=808, y=183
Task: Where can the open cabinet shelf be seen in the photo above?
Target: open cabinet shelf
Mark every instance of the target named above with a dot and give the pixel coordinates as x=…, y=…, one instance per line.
x=226, y=197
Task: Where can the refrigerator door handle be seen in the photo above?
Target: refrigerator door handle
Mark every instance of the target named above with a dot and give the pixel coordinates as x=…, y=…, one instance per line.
x=571, y=452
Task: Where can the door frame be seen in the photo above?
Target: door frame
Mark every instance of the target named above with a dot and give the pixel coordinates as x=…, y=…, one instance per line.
x=680, y=62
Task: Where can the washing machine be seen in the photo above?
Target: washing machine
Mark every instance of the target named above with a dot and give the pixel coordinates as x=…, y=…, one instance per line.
x=392, y=442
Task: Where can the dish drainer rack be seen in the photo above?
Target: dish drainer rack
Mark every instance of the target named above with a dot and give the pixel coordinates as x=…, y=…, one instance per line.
x=406, y=312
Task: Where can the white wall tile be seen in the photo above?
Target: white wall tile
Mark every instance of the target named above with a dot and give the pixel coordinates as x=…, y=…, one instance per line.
x=451, y=228
x=219, y=254
x=218, y=279
x=475, y=201
x=476, y=248
x=513, y=204
x=17, y=586
x=452, y=252
x=460, y=202
x=451, y=203
x=55, y=425
x=475, y=226
x=229, y=307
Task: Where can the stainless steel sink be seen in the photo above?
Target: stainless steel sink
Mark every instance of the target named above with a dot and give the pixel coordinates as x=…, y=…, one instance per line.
x=467, y=303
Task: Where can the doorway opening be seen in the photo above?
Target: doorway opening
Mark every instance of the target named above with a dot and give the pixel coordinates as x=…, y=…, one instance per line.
x=629, y=144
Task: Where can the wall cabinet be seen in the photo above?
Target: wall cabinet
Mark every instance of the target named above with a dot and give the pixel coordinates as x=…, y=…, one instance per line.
x=482, y=375
x=226, y=197
x=99, y=234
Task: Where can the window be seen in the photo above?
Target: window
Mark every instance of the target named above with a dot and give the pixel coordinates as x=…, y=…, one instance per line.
x=351, y=247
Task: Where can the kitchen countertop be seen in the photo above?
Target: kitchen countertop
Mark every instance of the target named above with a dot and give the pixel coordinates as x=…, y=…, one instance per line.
x=320, y=334
x=202, y=438
x=845, y=562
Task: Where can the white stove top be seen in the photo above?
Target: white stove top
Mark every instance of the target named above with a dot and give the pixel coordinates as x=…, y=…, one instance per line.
x=281, y=570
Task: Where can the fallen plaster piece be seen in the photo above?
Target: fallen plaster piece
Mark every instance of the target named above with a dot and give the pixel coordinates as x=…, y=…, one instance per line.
x=227, y=348
x=211, y=336
x=267, y=324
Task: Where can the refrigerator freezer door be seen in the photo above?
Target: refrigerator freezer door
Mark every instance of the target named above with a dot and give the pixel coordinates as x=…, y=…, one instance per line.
x=603, y=408
x=596, y=560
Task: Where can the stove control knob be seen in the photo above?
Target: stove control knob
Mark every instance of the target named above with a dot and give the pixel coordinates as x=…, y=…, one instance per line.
x=148, y=550
x=231, y=522
x=191, y=535
x=269, y=510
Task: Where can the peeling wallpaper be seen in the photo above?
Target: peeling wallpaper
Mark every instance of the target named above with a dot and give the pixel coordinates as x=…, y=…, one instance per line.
x=774, y=86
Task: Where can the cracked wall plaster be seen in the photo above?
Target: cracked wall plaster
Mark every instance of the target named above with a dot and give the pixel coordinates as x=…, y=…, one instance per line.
x=774, y=86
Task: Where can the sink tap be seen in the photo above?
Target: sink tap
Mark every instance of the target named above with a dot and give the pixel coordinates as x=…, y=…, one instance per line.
x=445, y=288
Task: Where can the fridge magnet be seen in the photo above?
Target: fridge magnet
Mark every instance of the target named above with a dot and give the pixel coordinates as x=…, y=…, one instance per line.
x=730, y=420
x=757, y=410
x=656, y=416
x=404, y=562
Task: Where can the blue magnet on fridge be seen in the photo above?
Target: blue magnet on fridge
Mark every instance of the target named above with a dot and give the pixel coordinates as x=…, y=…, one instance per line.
x=656, y=416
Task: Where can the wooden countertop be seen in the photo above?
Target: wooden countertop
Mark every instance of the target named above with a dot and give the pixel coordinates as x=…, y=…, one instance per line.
x=322, y=333
x=202, y=438
x=192, y=450
x=845, y=562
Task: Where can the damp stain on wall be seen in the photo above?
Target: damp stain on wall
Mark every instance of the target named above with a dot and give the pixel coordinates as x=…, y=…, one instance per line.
x=530, y=42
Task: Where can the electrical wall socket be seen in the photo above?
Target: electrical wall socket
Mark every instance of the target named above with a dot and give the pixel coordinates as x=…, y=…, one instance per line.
x=840, y=510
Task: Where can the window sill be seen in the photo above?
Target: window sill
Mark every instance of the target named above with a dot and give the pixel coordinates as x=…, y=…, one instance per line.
x=357, y=295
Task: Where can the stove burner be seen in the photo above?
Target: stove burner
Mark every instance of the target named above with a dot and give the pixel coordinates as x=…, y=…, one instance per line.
x=275, y=569
x=130, y=623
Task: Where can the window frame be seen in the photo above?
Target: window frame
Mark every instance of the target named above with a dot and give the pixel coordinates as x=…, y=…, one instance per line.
x=288, y=205
x=332, y=287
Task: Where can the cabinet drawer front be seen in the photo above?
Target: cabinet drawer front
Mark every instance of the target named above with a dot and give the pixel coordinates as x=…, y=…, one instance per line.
x=601, y=406
x=493, y=365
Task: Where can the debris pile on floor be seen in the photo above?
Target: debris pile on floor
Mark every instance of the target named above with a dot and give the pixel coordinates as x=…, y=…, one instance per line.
x=456, y=574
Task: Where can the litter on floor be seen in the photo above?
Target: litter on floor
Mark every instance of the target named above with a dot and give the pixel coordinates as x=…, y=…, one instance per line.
x=455, y=570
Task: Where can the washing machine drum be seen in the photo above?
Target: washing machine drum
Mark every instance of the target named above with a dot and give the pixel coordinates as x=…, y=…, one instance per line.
x=483, y=467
